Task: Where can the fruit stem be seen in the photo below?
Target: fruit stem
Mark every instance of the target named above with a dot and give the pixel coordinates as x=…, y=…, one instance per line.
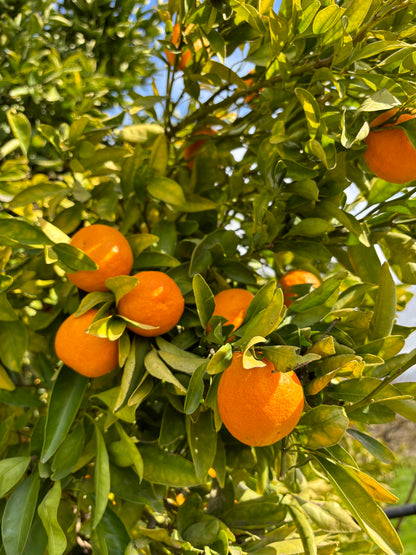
x=283, y=465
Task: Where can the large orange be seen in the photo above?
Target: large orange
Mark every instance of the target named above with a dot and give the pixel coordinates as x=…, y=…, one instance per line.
x=390, y=155
x=85, y=353
x=155, y=301
x=296, y=277
x=109, y=249
x=232, y=304
x=259, y=406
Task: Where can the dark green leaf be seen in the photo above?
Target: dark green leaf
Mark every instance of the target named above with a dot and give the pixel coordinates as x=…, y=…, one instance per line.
x=11, y=471
x=162, y=467
x=18, y=515
x=102, y=478
x=374, y=446
x=16, y=231
x=204, y=299
x=13, y=344
x=195, y=390
x=48, y=512
x=202, y=441
x=66, y=397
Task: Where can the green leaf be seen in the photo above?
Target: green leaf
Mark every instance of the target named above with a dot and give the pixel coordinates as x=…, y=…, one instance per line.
x=328, y=516
x=133, y=371
x=356, y=12
x=303, y=526
x=311, y=109
x=248, y=13
x=37, y=193
x=130, y=448
x=102, y=479
x=166, y=190
x=380, y=451
x=194, y=394
x=202, y=441
x=322, y=426
x=204, y=532
x=346, y=219
x=220, y=360
x=158, y=369
x=204, y=299
x=66, y=398
x=5, y=381
x=159, y=155
x=11, y=471
x=311, y=227
x=366, y=511
x=18, y=515
x=140, y=133
x=162, y=467
x=114, y=532
x=17, y=231
x=48, y=512
x=385, y=306
x=286, y=357
x=91, y=300
x=13, y=344
x=365, y=262
x=256, y=513
x=68, y=453
x=73, y=259
x=21, y=129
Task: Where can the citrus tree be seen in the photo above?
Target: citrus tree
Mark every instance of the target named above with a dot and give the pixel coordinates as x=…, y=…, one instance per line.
x=199, y=294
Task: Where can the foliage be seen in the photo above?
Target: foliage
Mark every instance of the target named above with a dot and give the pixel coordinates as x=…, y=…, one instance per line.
x=108, y=462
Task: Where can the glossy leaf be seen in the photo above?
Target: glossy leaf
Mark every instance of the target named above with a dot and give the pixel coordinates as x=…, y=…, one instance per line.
x=66, y=397
x=162, y=467
x=195, y=390
x=202, y=441
x=255, y=513
x=15, y=231
x=322, y=426
x=131, y=449
x=158, y=369
x=385, y=305
x=102, y=479
x=21, y=128
x=48, y=512
x=11, y=471
x=13, y=344
x=68, y=453
x=18, y=515
x=365, y=510
x=204, y=299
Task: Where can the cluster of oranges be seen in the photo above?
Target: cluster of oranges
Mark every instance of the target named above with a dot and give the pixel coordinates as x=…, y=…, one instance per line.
x=156, y=302
x=258, y=405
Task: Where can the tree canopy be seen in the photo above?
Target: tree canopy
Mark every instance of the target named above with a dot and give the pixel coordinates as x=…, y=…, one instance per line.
x=244, y=161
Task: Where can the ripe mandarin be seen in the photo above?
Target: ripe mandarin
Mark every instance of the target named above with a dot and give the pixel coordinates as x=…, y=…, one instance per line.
x=155, y=301
x=259, y=406
x=232, y=304
x=296, y=277
x=390, y=155
x=87, y=354
x=109, y=249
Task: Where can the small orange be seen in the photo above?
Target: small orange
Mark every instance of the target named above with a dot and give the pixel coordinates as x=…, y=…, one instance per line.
x=190, y=152
x=390, y=155
x=155, y=301
x=232, y=304
x=259, y=406
x=296, y=277
x=250, y=81
x=109, y=249
x=176, y=41
x=87, y=354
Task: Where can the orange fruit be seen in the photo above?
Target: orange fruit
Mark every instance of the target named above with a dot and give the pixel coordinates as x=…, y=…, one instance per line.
x=191, y=151
x=259, y=406
x=390, y=155
x=232, y=304
x=249, y=81
x=155, y=301
x=87, y=354
x=186, y=54
x=109, y=249
x=296, y=277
